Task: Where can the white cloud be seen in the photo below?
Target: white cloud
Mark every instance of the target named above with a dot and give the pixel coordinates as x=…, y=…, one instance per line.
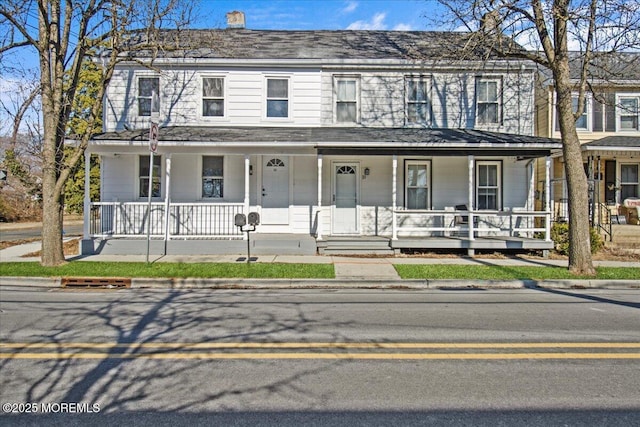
x=350, y=7
x=376, y=23
x=403, y=27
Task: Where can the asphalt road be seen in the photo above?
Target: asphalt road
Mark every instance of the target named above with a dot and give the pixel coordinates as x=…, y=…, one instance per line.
x=22, y=233
x=523, y=357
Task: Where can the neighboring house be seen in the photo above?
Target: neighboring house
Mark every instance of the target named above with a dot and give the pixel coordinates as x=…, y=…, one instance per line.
x=340, y=140
x=609, y=130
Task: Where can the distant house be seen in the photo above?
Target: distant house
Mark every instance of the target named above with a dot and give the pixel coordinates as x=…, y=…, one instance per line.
x=342, y=141
x=609, y=130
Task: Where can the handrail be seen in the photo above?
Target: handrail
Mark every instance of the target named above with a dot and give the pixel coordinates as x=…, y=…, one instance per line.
x=605, y=225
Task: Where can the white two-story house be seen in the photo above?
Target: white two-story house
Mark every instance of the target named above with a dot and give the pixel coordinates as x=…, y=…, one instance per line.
x=339, y=140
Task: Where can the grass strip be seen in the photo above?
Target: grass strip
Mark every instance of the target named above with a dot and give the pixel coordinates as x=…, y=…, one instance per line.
x=498, y=272
x=167, y=269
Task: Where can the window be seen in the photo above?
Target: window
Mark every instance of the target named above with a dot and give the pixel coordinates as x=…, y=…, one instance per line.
x=143, y=176
x=148, y=89
x=581, y=123
x=488, y=94
x=277, y=98
x=488, y=183
x=629, y=181
x=417, y=107
x=417, y=185
x=213, y=177
x=213, y=97
x=629, y=112
x=346, y=100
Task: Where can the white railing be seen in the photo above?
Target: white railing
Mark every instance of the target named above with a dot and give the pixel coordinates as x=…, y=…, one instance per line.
x=449, y=222
x=186, y=220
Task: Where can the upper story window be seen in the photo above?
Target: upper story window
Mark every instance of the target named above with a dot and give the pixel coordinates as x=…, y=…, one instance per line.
x=488, y=101
x=582, y=122
x=143, y=176
x=629, y=113
x=489, y=185
x=346, y=98
x=418, y=107
x=212, y=177
x=277, y=98
x=213, y=97
x=418, y=178
x=148, y=95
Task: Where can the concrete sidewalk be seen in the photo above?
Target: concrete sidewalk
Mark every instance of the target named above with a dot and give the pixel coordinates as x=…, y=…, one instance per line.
x=350, y=272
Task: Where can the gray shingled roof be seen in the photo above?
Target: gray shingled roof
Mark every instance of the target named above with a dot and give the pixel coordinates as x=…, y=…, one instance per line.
x=374, y=140
x=319, y=44
x=617, y=141
x=611, y=66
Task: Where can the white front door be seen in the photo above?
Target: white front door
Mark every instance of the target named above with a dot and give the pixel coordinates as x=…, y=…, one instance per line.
x=275, y=190
x=346, y=185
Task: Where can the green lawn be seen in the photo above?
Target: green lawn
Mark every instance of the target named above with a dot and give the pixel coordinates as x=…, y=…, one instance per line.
x=167, y=269
x=484, y=272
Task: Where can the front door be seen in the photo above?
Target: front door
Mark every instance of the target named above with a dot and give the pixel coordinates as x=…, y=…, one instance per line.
x=275, y=190
x=345, y=198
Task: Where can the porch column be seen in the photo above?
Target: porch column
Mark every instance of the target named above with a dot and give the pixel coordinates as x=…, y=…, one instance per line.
x=247, y=170
x=471, y=168
x=319, y=224
x=547, y=198
x=167, y=198
x=394, y=198
x=86, y=214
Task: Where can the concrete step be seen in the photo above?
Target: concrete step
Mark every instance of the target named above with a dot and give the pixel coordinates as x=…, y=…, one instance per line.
x=355, y=246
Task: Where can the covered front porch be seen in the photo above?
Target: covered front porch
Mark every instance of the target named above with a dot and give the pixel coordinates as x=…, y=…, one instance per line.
x=320, y=190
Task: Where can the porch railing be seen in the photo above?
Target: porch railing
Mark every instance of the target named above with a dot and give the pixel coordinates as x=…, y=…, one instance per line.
x=186, y=220
x=513, y=223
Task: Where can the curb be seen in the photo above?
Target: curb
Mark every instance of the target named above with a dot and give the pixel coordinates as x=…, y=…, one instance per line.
x=444, y=284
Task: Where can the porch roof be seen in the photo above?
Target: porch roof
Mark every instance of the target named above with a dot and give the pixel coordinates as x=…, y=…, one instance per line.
x=614, y=143
x=344, y=140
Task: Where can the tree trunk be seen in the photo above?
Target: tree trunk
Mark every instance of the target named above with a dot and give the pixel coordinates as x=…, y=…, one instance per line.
x=52, y=216
x=580, y=261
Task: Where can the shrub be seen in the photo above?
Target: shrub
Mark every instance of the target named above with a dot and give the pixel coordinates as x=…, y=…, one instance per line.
x=560, y=237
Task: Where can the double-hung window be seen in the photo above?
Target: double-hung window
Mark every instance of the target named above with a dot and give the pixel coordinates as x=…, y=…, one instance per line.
x=213, y=177
x=148, y=95
x=488, y=101
x=581, y=122
x=418, y=109
x=629, y=112
x=213, y=96
x=418, y=177
x=143, y=176
x=629, y=181
x=346, y=97
x=277, y=98
x=488, y=185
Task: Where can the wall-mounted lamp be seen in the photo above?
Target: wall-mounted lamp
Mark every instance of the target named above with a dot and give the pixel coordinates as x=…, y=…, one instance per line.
x=367, y=171
x=250, y=169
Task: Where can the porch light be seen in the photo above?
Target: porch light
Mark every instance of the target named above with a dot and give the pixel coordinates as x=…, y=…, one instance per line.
x=250, y=169
x=367, y=171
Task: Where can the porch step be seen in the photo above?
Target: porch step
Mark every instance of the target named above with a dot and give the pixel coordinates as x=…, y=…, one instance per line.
x=366, y=245
x=626, y=236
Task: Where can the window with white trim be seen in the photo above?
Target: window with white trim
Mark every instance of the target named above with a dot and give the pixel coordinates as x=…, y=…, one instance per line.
x=629, y=113
x=417, y=184
x=277, y=98
x=346, y=98
x=418, y=107
x=143, y=176
x=212, y=177
x=148, y=89
x=488, y=185
x=488, y=101
x=582, y=123
x=213, y=97
x=629, y=181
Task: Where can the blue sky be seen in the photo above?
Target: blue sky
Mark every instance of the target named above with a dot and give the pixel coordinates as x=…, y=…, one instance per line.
x=320, y=15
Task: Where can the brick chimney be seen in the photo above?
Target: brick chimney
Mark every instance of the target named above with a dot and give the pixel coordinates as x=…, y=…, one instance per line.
x=235, y=19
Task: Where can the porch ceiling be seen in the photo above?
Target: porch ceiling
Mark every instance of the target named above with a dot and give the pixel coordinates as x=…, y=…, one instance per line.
x=342, y=140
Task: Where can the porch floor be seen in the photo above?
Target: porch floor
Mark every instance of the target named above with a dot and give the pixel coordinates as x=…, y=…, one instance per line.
x=300, y=244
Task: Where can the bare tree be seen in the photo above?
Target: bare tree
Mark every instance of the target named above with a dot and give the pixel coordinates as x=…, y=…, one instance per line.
x=550, y=31
x=64, y=34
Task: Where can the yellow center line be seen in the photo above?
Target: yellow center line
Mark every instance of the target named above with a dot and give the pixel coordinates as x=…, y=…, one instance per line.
x=334, y=356
x=311, y=345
